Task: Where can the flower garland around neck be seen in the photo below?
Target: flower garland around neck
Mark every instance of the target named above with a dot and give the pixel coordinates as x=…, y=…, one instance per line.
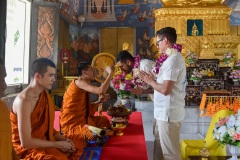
x=168, y=52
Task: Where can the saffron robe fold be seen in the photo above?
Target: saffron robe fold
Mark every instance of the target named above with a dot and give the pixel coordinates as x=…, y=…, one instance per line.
x=77, y=111
x=7, y=151
x=42, y=119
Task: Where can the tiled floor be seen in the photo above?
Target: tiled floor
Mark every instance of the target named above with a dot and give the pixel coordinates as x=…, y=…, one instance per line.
x=148, y=132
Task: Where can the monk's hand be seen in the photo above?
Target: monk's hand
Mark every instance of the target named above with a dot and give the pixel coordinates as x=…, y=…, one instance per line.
x=109, y=69
x=88, y=133
x=73, y=146
x=103, y=98
x=66, y=146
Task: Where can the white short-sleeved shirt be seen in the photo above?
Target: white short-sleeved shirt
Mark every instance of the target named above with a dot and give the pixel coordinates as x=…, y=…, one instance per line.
x=171, y=107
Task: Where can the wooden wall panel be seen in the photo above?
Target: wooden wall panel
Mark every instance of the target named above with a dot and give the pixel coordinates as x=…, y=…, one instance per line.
x=63, y=42
x=126, y=35
x=112, y=39
x=109, y=40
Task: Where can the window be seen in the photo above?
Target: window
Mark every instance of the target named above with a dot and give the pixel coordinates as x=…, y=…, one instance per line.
x=17, y=45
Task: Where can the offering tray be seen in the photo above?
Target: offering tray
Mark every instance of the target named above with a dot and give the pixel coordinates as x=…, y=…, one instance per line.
x=118, y=111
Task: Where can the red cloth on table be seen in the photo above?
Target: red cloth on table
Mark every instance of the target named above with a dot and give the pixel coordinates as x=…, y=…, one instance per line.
x=130, y=146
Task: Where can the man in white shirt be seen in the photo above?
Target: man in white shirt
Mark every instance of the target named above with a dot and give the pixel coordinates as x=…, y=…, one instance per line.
x=169, y=94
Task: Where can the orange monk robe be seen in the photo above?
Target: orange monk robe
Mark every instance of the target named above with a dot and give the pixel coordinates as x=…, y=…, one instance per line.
x=6, y=148
x=78, y=111
x=42, y=119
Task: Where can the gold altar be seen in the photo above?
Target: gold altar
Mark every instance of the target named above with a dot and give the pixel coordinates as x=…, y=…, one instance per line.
x=215, y=38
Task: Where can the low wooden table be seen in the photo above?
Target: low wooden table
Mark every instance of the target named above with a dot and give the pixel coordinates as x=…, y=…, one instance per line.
x=210, y=158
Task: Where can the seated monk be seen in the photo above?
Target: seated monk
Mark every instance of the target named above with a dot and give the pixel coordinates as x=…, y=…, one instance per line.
x=6, y=148
x=77, y=109
x=32, y=118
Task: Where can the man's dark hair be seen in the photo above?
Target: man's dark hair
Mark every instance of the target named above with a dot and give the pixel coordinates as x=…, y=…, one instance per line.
x=82, y=66
x=40, y=65
x=168, y=32
x=123, y=56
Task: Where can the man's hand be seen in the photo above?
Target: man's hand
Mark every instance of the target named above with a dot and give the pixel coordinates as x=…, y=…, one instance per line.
x=148, y=78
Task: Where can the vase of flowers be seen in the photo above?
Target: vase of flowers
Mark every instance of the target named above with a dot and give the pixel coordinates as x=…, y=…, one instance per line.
x=235, y=151
x=191, y=58
x=227, y=131
x=196, y=76
x=237, y=64
x=227, y=58
x=122, y=83
x=235, y=76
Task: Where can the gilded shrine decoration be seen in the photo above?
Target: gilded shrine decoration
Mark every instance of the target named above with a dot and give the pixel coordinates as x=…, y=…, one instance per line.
x=99, y=63
x=45, y=32
x=202, y=26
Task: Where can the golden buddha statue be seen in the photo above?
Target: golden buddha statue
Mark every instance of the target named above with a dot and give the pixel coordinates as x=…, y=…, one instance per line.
x=126, y=46
x=183, y=3
x=207, y=51
x=195, y=30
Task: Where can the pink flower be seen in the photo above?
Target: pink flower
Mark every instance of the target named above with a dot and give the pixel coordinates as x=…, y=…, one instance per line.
x=118, y=77
x=236, y=136
x=164, y=56
x=116, y=86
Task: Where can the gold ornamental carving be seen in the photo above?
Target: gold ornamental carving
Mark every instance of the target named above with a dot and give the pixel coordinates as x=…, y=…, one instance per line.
x=181, y=3
x=209, y=39
x=126, y=2
x=45, y=32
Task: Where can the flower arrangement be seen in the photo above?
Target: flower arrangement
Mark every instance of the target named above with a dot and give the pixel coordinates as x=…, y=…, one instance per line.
x=196, y=75
x=235, y=74
x=227, y=130
x=191, y=57
x=122, y=83
x=165, y=55
x=237, y=64
x=227, y=57
x=137, y=81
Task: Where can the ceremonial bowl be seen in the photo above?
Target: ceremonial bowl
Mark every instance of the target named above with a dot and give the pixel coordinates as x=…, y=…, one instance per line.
x=118, y=111
x=118, y=128
x=119, y=114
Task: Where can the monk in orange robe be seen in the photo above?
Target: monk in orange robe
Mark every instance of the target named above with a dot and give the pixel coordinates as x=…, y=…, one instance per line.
x=77, y=109
x=6, y=148
x=32, y=118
